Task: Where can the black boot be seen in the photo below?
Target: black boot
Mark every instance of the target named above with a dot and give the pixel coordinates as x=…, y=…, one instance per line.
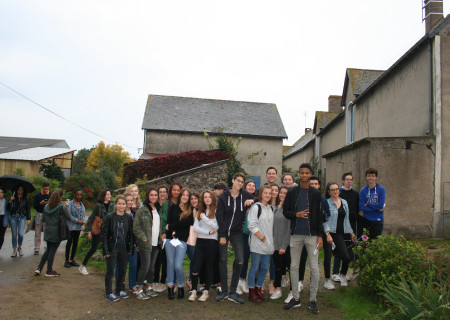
x=180, y=293
x=170, y=292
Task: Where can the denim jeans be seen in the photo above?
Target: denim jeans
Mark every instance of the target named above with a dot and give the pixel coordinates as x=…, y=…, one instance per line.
x=17, y=223
x=132, y=269
x=272, y=270
x=238, y=247
x=244, y=270
x=297, y=244
x=190, y=252
x=175, y=257
x=259, y=262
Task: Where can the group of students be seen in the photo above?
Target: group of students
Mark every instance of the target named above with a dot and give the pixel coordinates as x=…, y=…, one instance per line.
x=278, y=226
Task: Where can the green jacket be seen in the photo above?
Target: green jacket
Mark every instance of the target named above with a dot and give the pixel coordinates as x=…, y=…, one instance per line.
x=99, y=208
x=142, y=228
x=51, y=221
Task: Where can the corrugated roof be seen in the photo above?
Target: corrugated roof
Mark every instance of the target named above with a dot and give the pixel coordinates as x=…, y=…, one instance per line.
x=180, y=114
x=300, y=144
x=9, y=144
x=34, y=154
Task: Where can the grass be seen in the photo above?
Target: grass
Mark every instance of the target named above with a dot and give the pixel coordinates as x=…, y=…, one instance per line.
x=356, y=304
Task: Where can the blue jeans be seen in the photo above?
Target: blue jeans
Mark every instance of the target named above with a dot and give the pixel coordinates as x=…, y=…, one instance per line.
x=175, y=257
x=244, y=270
x=190, y=252
x=132, y=270
x=17, y=223
x=272, y=270
x=261, y=262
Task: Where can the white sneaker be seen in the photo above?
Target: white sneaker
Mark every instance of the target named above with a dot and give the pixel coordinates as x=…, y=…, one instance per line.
x=336, y=278
x=193, y=295
x=349, y=278
x=343, y=281
x=284, y=282
x=300, y=286
x=83, y=270
x=238, y=290
x=329, y=285
x=243, y=286
x=276, y=294
x=289, y=298
x=204, y=297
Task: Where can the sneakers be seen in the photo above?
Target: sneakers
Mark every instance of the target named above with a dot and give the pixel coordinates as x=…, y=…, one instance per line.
x=52, y=274
x=313, y=307
x=219, y=289
x=300, y=286
x=73, y=263
x=122, y=294
x=238, y=289
x=14, y=254
x=134, y=290
x=222, y=296
x=329, y=285
x=159, y=287
x=284, y=281
x=67, y=264
x=37, y=272
x=112, y=297
x=20, y=251
x=292, y=304
x=336, y=278
x=235, y=298
x=193, y=296
x=83, y=270
x=343, y=281
x=36, y=252
x=204, y=297
x=276, y=294
x=289, y=298
x=142, y=296
x=150, y=292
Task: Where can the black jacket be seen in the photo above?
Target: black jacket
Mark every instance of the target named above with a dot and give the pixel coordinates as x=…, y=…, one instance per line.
x=315, y=216
x=110, y=232
x=352, y=198
x=180, y=227
x=230, y=220
x=20, y=207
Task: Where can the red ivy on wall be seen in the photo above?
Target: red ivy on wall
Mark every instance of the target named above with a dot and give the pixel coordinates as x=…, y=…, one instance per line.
x=170, y=164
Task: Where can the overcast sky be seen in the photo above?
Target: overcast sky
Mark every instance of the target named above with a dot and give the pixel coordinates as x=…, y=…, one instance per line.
x=95, y=62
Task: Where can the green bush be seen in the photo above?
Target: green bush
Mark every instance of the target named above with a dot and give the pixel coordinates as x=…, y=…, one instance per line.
x=424, y=299
x=387, y=259
x=91, y=183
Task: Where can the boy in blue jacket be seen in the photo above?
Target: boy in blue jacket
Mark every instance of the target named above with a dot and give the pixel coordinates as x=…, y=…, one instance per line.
x=371, y=202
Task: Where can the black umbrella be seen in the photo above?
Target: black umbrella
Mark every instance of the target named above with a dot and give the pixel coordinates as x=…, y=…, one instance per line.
x=11, y=182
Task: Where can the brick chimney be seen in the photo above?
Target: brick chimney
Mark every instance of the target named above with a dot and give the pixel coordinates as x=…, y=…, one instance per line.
x=334, y=104
x=434, y=12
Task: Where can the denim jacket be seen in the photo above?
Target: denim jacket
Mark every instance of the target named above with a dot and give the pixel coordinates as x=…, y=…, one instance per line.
x=78, y=213
x=330, y=225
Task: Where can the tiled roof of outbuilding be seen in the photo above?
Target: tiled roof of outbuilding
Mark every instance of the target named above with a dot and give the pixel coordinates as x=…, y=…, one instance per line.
x=239, y=118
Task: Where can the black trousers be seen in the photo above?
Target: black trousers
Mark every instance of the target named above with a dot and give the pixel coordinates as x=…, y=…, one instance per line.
x=280, y=266
x=49, y=256
x=121, y=255
x=205, y=253
x=2, y=231
x=72, y=242
x=160, y=274
x=342, y=251
x=94, y=245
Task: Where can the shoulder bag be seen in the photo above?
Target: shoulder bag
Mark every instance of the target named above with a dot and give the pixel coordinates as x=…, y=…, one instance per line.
x=96, y=226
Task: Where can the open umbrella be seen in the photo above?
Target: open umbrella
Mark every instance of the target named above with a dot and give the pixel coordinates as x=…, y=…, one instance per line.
x=10, y=182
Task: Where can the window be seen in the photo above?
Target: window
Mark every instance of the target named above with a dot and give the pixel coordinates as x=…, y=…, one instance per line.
x=349, y=116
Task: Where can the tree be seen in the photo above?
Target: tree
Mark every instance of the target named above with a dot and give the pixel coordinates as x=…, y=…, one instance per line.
x=52, y=171
x=80, y=161
x=112, y=156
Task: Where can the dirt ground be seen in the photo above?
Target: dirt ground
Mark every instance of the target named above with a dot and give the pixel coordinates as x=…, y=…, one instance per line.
x=74, y=296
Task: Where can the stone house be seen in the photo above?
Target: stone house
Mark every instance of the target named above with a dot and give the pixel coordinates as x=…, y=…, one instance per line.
x=29, y=153
x=177, y=124
x=397, y=125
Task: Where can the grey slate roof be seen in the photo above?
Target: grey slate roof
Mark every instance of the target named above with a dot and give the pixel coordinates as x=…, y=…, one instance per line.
x=35, y=154
x=166, y=113
x=10, y=144
x=360, y=79
x=300, y=144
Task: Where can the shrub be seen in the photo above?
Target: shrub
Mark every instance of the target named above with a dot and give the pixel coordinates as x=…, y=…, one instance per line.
x=91, y=183
x=424, y=299
x=387, y=259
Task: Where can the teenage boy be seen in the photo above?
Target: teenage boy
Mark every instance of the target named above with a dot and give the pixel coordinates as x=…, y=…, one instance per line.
x=303, y=207
x=230, y=213
x=371, y=202
x=40, y=200
x=271, y=175
x=350, y=195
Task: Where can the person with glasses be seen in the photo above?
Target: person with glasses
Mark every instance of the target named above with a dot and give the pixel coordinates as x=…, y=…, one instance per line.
x=337, y=225
x=231, y=208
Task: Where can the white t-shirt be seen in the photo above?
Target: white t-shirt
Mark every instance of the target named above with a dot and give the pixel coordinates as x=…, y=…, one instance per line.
x=155, y=228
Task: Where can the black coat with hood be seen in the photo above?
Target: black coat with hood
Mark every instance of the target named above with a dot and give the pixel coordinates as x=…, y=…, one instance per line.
x=230, y=212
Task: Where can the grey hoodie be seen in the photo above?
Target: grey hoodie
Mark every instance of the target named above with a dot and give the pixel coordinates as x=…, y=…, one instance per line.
x=264, y=225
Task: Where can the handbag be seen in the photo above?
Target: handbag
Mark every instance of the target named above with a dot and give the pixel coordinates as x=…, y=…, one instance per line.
x=96, y=226
x=64, y=232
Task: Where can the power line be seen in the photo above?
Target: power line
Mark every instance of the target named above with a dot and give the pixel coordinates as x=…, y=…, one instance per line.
x=71, y=122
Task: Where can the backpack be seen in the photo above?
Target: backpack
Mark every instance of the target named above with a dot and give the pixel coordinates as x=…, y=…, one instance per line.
x=245, y=226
